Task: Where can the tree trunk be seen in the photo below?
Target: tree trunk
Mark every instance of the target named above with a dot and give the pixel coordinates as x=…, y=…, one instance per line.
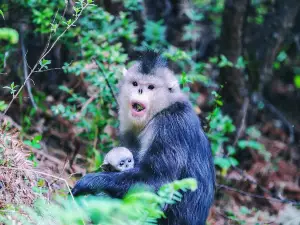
x=232, y=78
x=263, y=45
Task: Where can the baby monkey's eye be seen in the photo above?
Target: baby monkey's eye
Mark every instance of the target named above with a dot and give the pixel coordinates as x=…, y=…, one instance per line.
x=121, y=163
x=134, y=83
x=129, y=160
x=150, y=87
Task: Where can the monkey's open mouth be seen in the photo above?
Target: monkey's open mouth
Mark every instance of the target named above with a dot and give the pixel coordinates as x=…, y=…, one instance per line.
x=138, y=109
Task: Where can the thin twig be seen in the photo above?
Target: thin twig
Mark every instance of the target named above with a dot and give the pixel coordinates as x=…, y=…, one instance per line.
x=66, y=7
x=246, y=176
x=41, y=71
x=257, y=97
x=25, y=69
x=27, y=61
x=10, y=121
x=236, y=220
x=89, y=101
x=257, y=196
x=243, y=121
x=106, y=80
x=61, y=173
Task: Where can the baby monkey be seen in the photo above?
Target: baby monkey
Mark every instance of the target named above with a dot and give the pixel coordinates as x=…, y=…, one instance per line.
x=117, y=160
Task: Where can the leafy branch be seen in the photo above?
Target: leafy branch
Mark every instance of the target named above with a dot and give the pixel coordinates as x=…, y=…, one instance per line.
x=82, y=6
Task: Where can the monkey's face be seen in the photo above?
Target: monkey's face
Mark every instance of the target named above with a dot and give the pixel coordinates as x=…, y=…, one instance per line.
x=142, y=96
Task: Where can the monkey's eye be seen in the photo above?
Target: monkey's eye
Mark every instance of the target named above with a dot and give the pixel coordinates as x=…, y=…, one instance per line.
x=150, y=87
x=134, y=83
x=121, y=163
x=129, y=160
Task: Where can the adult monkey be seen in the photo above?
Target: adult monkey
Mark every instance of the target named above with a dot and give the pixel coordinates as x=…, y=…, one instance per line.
x=160, y=127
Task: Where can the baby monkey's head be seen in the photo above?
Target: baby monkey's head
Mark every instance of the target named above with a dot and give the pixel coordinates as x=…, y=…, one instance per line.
x=118, y=159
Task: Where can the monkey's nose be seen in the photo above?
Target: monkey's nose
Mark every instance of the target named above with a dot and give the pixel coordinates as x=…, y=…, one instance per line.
x=140, y=91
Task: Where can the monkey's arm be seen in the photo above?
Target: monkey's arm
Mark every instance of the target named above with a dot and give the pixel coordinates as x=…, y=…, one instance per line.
x=117, y=184
x=111, y=182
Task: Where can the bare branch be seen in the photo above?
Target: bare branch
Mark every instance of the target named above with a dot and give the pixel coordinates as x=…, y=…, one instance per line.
x=25, y=69
x=257, y=196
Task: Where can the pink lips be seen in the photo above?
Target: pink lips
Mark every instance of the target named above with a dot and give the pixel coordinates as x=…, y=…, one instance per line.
x=136, y=109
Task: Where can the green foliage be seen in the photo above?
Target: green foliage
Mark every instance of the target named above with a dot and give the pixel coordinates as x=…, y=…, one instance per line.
x=155, y=33
x=220, y=135
x=297, y=81
x=2, y=14
x=210, y=11
x=35, y=142
x=10, y=35
x=222, y=61
x=2, y=106
x=92, y=110
x=12, y=88
x=139, y=207
x=43, y=13
x=133, y=5
x=280, y=59
x=43, y=63
x=261, y=11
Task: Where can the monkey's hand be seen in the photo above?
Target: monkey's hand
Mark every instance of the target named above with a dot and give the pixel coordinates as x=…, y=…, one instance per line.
x=89, y=184
x=116, y=183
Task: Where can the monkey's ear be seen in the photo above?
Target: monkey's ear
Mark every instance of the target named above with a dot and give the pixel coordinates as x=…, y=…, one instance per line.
x=173, y=86
x=124, y=72
x=107, y=167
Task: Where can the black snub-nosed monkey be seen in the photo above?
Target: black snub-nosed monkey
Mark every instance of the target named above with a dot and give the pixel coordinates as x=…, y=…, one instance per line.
x=160, y=127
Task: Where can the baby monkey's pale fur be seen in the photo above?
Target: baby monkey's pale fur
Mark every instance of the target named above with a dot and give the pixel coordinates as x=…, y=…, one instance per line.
x=118, y=159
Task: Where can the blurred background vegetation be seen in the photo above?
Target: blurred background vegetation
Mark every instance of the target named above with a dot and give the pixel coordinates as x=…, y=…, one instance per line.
x=238, y=60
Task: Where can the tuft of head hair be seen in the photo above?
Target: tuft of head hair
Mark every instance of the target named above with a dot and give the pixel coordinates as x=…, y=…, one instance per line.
x=151, y=60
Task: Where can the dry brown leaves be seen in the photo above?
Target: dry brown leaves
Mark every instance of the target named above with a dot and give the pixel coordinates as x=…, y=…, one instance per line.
x=16, y=181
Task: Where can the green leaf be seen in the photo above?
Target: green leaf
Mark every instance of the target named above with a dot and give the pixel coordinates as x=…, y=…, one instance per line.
x=224, y=163
x=240, y=63
x=253, y=132
x=231, y=150
x=10, y=35
x=233, y=161
x=244, y=210
x=297, y=81
x=2, y=14
x=213, y=60
x=276, y=65
x=54, y=27
x=3, y=105
x=250, y=144
x=282, y=56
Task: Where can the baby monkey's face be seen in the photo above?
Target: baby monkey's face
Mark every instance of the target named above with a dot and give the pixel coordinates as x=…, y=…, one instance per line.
x=118, y=159
x=124, y=163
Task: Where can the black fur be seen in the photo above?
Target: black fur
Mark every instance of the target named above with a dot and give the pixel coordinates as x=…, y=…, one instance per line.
x=179, y=150
x=151, y=60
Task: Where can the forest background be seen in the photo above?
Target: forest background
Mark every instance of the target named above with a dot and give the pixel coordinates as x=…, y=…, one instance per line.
x=60, y=61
